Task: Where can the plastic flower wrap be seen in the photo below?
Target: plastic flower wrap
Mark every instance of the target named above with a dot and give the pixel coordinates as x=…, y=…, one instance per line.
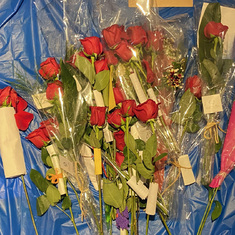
x=215, y=72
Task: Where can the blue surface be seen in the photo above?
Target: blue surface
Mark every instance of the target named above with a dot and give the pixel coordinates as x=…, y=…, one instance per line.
x=26, y=29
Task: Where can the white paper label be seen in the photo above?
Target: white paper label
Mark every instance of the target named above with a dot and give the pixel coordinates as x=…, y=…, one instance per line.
x=212, y=104
x=98, y=98
x=152, y=199
x=41, y=101
x=85, y=151
x=187, y=172
x=152, y=95
x=10, y=144
x=108, y=135
x=67, y=165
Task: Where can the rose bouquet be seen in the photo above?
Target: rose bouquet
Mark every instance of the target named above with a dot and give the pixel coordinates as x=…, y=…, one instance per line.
x=215, y=72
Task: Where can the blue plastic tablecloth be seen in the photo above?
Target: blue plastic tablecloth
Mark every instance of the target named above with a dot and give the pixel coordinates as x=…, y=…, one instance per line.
x=24, y=44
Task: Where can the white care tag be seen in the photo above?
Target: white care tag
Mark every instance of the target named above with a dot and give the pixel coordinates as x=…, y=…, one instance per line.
x=139, y=187
x=152, y=199
x=108, y=135
x=212, y=104
x=152, y=95
x=186, y=170
x=98, y=98
x=67, y=165
x=85, y=151
x=41, y=101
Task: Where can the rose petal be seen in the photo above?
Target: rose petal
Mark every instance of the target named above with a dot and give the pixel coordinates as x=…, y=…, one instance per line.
x=23, y=120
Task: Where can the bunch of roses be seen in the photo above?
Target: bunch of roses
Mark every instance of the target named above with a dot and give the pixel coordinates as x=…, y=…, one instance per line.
x=9, y=98
x=117, y=119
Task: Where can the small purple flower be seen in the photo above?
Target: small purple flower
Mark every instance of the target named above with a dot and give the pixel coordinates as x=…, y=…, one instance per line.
x=122, y=219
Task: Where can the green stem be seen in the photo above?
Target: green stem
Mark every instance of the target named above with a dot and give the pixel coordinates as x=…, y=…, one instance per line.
x=63, y=211
x=164, y=222
x=147, y=225
x=207, y=211
x=127, y=145
x=29, y=205
x=76, y=194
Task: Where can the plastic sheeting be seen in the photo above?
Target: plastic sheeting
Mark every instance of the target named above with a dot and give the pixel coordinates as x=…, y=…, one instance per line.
x=26, y=27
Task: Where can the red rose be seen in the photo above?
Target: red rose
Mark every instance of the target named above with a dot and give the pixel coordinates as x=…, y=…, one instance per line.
x=118, y=95
x=150, y=73
x=101, y=65
x=38, y=138
x=119, y=137
x=21, y=105
x=119, y=158
x=49, y=127
x=92, y=45
x=49, y=68
x=127, y=107
x=114, y=34
x=137, y=35
x=53, y=89
x=155, y=40
x=147, y=110
x=115, y=118
x=8, y=96
x=123, y=50
x=97, y=115
x=215, y=29
x=23, y=120
x=111, y=58
x=195, y=85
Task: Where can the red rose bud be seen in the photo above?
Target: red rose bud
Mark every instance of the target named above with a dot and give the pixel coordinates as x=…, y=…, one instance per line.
x=101, y=65
x=195, y=85
x=111, y=58
x=146, y=111
x=49, y=68
x=53, y=89
x=127, y=107
x=119, y=137
x=8, y=96
x=115, y=118
x=150, y=73
x=155, y=40
x=123, y=50
x=38, y=138
x=50, y=127
x=118, y=95
x=114, y=34
x=92, y=45
x=137, y=35
x=97, y=115
x=215, y=29
x=23, y=120
x=119, y=158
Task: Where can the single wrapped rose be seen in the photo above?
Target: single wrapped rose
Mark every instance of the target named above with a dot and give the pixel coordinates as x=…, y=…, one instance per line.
x=146, y=111
x=115, y=118
x=50, y=127
x=155, y=40
x=127, y=108
x=97, y=115
x=101, y=65
x=124, y=51
x=49, y=68
x=118, y=95
x=119, y=138
x=92, y=46
x=137, y=35
x=53, y=89
x=10, y=144
x=111, y=58
x=214, y=29
x=114, y=34
x=150, y=73
x=119, y=158
x=195, y=85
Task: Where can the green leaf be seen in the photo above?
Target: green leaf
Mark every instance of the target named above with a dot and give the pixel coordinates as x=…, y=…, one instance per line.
x=105, y=94
x=46, y=159
x=111, y=194
x=132, y=158
x=42, y=205
x=66, y=203
x=94, y=142
x=130, y=142
x=67, y=143
x=192, y=127
x=101, y=80
x=147, y=159
x=177, y=118
x=218, y=146
x=217, y=210
x=50, y=171
x=151, y=145
x=143, y=171
x=41, y=183
x=53, y=195
x=140, y=144
x=86, y=68
x=197, y=115
x=159, y=157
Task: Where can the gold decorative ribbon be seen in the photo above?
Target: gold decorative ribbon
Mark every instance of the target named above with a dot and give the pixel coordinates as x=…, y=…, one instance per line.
x=54, y=178
x=210, y=128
